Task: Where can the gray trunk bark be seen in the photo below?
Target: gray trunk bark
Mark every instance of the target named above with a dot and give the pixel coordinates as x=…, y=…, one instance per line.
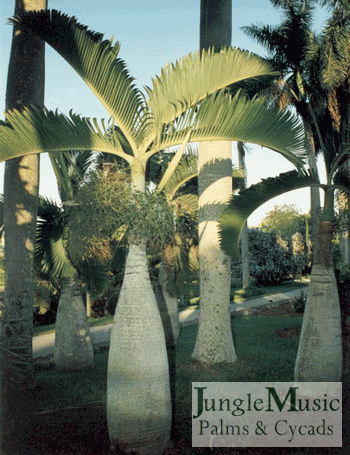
x=214, y=342
x=319, y=357
x=73, y=346
x=138, y=388
x=25, y=85
x=215, y=24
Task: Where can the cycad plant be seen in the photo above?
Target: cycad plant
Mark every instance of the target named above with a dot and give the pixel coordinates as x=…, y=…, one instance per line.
x=187, y=103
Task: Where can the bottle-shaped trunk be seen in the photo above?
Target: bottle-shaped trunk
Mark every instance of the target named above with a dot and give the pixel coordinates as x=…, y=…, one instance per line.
x=138, y=388
x=73, y=345
x=319, y=357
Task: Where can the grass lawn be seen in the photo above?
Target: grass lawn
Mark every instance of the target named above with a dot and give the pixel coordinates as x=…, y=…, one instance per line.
x=42, y=329
x=70, y=407
x=239, y=296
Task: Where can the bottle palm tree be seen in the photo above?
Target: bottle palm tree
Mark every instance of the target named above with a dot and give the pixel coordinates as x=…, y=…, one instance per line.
x=320, y=349
x=73, y=345
x=185, y=104
x=330, y=62
x=25, y=85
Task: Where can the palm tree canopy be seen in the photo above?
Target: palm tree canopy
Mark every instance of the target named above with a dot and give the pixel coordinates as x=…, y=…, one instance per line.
x=242, y=205
x=187, y=102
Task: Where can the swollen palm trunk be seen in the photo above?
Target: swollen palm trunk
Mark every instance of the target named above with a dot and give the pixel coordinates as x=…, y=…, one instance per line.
x=138, y=390
x=319, y=357
x=73, y=346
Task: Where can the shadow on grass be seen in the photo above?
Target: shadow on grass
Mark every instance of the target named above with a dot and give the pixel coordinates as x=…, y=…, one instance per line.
x=81, y=429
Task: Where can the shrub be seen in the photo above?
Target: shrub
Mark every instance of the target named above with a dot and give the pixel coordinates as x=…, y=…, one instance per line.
x=298, y=303
x=271, y=260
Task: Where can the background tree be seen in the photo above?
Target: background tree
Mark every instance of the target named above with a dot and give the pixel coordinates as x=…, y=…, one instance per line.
x=177, y=109
x=285, y=220
x=320, y=350
x=320, y=347
x=287, y=45
x=25, y=86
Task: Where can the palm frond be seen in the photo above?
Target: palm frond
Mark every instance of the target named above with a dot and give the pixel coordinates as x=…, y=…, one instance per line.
x=191, y=79
x=35, y=130
x=50, y=250
x=241, y=206
x=95, y=277
x=221, y=117
x=70, y=169
x=95, y=60
x=185, y=171
x=187, y=203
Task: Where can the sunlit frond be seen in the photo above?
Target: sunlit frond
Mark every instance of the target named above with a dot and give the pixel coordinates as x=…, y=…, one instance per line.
x=35, y=131
x=196, y=75
x=95, y=60
x=185, y=170
x=220, y=117
x=242, y=205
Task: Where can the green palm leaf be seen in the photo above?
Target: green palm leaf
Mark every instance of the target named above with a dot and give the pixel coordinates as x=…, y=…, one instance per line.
x=196, y=75
x=95, y=60
x=188, y=204
x=185, y=170
x=35, y=131
x=220, y=117
x=241, y=206
x=50, y=251
x=70, y=169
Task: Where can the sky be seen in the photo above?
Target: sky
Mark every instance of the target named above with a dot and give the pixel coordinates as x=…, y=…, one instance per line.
x=151, y=34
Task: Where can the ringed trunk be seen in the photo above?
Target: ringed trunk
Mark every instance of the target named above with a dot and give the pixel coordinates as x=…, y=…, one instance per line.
x=214, y=343
x=25, y=86
x=319, y=357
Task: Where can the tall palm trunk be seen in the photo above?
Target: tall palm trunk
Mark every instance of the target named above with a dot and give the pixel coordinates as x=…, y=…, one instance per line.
x=25, y=85
x=214, y=342
x=319, y=355
x=314, y=191
x=138, y=387
x=73, y=346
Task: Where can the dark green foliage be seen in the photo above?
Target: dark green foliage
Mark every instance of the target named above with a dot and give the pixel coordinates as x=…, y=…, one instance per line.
x=107, y=213
x=285, y=220
x=299, y=303
x=270, y=261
